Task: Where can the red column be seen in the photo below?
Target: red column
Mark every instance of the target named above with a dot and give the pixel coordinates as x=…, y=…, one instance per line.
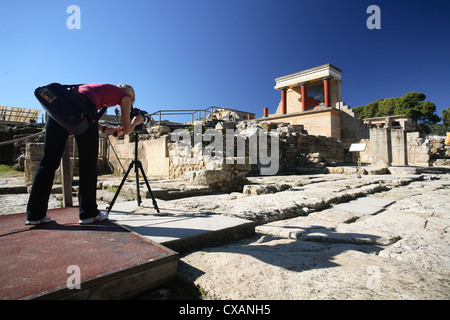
x=304, y=93
x=283, y=101
x=266, y=112
x=326, y=89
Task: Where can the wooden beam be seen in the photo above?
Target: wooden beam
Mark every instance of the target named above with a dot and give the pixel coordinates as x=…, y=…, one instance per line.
x=66, y=177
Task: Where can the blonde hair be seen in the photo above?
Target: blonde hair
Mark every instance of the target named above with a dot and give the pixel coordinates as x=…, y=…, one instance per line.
x=128, y=89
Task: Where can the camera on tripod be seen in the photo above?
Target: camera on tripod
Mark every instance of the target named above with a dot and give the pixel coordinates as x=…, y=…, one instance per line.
x=136, y=163
x=136, y=112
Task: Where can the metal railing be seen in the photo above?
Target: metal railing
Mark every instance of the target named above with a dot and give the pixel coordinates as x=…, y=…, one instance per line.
x=211, y=113
x=206, y=112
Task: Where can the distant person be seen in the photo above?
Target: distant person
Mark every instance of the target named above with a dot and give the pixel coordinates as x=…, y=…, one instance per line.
x=3, y=115
x=96, y=96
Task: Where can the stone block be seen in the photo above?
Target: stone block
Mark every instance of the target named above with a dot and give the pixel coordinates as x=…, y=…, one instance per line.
x=225, y=125
x=441, y=163
x=335, y=170
x=404, y=170
x=30, y=170
x=212, y=177
x=34, y=151
x=159, y=129
x=218, y=165
x=268, y=126
x=190, y=175
x=297, y=128
x=376, y=170
x=264, y=189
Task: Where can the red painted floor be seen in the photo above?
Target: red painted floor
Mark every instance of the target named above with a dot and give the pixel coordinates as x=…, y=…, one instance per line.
x=34, y=259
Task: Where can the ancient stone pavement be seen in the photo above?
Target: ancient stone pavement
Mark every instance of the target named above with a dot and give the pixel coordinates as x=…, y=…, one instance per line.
x=316, y=236
x=381, y=237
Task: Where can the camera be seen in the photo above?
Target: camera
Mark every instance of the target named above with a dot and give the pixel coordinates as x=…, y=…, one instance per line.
x=135, y=112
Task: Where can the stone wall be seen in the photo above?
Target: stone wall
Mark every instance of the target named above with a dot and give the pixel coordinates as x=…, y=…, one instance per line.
x=426, y=152
x=200, y=156
x=398, y=147
x=380, y=147
x=388, y=147
x=222, y=157
x=440, y=153
x=11, y=152
x=203, y=156
x=152, y=152
x=352, y=129
x=395, y=147
x=33, y=155
x=325, y=121
x=295, y=149
x=179, y=155
x=418, y=150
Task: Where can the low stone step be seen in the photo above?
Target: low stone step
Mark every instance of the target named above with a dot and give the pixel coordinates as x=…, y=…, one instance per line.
x=180, y=230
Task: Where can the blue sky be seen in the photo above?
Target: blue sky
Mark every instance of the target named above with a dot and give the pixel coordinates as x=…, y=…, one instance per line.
x=185, y=54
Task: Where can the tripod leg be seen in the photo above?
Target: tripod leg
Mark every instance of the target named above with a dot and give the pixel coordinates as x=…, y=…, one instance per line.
x=120, y=187
x=136, y=170
x=155, y=205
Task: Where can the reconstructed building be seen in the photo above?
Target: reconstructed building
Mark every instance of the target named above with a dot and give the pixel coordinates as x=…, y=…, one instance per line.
x=391, y=122
x=313, y=98
x=311, y=89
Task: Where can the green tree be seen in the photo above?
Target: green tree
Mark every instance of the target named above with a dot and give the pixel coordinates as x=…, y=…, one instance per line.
x=439, y=129
x=411, y=104
x=446, y=117
x=370, y=110
x=387, y=107
x=427, y=113
x=421, y=112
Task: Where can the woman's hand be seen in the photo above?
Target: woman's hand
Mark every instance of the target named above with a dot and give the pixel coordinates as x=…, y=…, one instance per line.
x=137, y=120
x=116, y=132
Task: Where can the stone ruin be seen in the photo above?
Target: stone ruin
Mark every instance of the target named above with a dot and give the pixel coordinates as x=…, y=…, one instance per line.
x=203, y=155
x=13, y=153
x=224, y=169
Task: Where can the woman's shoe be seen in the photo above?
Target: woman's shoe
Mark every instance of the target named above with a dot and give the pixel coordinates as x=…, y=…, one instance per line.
x=36, y=222
x=100, y=217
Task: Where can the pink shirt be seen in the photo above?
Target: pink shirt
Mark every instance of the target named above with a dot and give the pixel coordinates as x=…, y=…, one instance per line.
x=102, y=94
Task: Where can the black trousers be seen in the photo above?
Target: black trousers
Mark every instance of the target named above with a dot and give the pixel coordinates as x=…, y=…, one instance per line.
x=54, y=144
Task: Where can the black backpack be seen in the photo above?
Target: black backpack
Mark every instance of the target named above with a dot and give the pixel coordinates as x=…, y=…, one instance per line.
x=69, y=109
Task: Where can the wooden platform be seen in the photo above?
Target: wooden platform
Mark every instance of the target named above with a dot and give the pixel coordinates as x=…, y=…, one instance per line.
x=38, y=262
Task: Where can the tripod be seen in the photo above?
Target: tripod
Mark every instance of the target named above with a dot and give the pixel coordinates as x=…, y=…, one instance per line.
x=137, y=165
